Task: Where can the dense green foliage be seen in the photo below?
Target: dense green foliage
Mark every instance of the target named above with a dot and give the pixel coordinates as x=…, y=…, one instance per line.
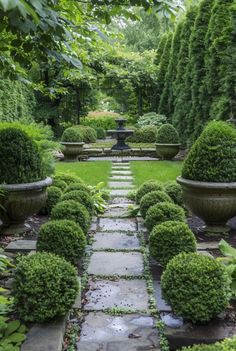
x=64, y=238
x=72, y=135
x=73, y=211
x=50, y=284
x=53, y=197
x=146, y=134
x=82, y=197
x=147, y=187
x=89, y=134
x=175, y=192
x=167, y=134
x=162, y=212
x=67, y=178
x=101, y=133
x=59, y=184
x=225, y=345
x=170, y=238
x=78, y=187
x=195, y=286
x=152, y=119
x=105, y=122
x=212, y=158
x=20, y=159
x=152, y=198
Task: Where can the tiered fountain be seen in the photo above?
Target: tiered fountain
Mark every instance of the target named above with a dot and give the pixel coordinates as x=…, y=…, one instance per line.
x=120, y=134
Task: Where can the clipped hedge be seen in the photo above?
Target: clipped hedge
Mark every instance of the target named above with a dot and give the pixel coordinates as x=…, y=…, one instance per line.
x=82, y=197
x=59, y=184
x=101, y=133
x=167, y=134
x=152, y=198
x=170, y=238
x=53, y=197
x=196, y=287
x=145, y=134
x=72, y=134
x=78, y=187
x=147, y=187
x=64, y=238
x=175, y=192
x=67, y=178
x=45, y=286
x=89, y=134
x=225, y=345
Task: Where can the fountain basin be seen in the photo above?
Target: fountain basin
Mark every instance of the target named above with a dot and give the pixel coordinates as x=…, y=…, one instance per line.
x=120, y=134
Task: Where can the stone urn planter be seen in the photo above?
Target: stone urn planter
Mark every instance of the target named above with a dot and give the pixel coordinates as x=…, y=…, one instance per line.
x=167, y=151
x=20, y=201
x=72, y=150
x=215, y=203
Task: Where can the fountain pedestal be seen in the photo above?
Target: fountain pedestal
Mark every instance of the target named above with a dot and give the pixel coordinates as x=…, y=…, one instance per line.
x=120, y=134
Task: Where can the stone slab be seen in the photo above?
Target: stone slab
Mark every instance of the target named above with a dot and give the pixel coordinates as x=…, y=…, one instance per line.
x=161, y=304
x=211, y=245
x=121, y=200
x=117, y=224
x=119, y=192
x=115, y=172
x=116, y=210
x=116, y=241
x=45, y=337
x=120, y=178
x=116, y=263
x=120, y=185
x=129, y=294
x=141, y=226
x=121, y=168
x=118, y=333
x=21, y=246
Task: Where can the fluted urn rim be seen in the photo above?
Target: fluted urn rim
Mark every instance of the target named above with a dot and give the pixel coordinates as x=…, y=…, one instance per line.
x=206, y=185
x=27, y=186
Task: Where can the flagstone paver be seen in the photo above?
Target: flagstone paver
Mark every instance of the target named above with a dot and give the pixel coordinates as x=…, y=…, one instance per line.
x=120, y=178
x=116, y=263
x=129, y=294
x=116, y=210
x=117, y=224
x=121, y=200
x=21, y=246
x=116, y=172
x=119, y=192
x=116, y=241
x=117, y=185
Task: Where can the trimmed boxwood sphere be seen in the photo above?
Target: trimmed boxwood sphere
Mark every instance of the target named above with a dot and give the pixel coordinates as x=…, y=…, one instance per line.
x=212, y=158
x=59, y=184
x=167, y=134
x=73, y=211
x=45, y=286
x=225, y=345
x=89, y=134
x=82, y=197
x=175, y=192
x=20, y=159
x=170, y=238
x=67, y=178
x=72, y=135
x=147, y=187
x=196, y=287
x=54, y=196
x=152, y=198
x=101, y=133
x=64, y=238
x=78, y=187
x=162, y=212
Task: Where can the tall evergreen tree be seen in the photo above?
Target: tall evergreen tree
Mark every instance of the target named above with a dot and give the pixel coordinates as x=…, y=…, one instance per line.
x=166, y=105
x=182, y=82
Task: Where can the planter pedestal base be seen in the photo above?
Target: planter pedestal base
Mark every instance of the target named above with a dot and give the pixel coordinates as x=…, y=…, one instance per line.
x=15, y=229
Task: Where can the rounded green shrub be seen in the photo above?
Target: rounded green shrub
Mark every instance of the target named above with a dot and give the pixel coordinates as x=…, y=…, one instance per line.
x=73, y=211
x=212, y=158
x=175, y=192
x=82, y=197
x=170, y=238
x=67, y=178
x=152, y=198
x=196, y=287
x=145, y=134
x=54, y=196
x=162, y=212
x=72, y=135
x=225, y=345
x=78, y=187
x=147, y=187
x=64, y=238
x=167, y=134
x=89, y=134
x=45, y=286
x=20, y=158
x=59, y=184
x=101, y=133
x=152, y=119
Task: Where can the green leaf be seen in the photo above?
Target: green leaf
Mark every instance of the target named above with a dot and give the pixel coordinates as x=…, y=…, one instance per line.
x=227, y=249
x=12, y=327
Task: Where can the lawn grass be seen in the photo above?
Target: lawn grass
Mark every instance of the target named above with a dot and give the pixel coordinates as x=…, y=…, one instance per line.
x=109, y=144
x=91, y=172
x=160, y=170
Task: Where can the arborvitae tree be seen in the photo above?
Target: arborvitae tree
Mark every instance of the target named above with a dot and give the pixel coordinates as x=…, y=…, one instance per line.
x=166, y=105
x=182, y=82
x=197, y=64
x=163, y=66
x=160, y=49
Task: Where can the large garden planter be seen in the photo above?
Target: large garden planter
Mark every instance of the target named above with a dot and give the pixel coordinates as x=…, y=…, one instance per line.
x=215, y=203
x=72, y=150
x=21, y=201
x=167, y=151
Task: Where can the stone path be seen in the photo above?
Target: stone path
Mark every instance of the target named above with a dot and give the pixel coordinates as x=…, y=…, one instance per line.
x=117, y=300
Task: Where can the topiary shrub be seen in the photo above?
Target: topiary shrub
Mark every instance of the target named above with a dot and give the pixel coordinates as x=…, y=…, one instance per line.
x=170, y=238
x=146, y=134
x=225, y=345
x=175, y=192
x=64, y=238
x=147, y=187
x=212, y=158
x=45, y=286
x=78, y=187
x=82, y=197
x=152, y=119
x=101, y=133
x=59, y=184
x=89, y=134
x=54, y=196
x=162, y=212
x=67, y=178
x=73, y=211
x=72, y=135
x=20, y=159
x=167, y=134
x=152, y=198
x=196, y=287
